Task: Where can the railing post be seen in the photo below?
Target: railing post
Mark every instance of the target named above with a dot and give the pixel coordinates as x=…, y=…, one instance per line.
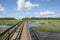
x=8, y=38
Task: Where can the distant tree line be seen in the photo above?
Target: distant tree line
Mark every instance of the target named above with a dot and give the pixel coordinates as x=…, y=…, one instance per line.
x=7, y=18
x=34, y=18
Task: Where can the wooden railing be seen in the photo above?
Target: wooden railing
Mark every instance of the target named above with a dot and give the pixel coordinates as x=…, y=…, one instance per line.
x=7, y=34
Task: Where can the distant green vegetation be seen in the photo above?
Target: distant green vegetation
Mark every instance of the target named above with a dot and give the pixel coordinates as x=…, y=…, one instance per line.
x=35, y=18
x=48, y=25
x=7, y=18
x=9, y=21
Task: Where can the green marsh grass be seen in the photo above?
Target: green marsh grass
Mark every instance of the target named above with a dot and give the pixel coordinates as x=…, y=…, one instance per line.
x=53, y=25
x=9, y=21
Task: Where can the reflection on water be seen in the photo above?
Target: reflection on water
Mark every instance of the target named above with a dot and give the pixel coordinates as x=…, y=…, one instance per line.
x=4, y=27
x=33, y=24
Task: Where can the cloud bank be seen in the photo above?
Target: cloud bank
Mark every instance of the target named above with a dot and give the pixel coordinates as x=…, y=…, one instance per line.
x=46, y=12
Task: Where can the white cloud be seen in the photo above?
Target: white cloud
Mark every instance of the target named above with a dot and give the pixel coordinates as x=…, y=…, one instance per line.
x=22, y=5
x=29, y=5
x=47, y=13
x=2, y=9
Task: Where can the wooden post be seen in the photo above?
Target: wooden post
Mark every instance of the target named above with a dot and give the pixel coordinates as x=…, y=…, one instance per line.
x=8, y=37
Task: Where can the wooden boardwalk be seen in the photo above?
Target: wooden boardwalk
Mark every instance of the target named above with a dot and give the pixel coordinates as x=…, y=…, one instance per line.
x=25, y=35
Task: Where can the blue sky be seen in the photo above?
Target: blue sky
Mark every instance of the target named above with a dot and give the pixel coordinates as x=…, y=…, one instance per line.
x=29, y=8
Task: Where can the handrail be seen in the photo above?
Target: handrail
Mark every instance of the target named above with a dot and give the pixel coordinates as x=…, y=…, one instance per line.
x=13, y=30
x=8, y=29
x=4, y=32
x=19, y=33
